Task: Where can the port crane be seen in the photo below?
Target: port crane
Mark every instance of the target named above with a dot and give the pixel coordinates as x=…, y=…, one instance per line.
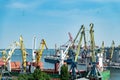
x=6, y=55
x=40, y=51
x=10, y=53
x=7, y=59
x=94, y=73
x=63, y=54
x=37, y=54
x=76, y=54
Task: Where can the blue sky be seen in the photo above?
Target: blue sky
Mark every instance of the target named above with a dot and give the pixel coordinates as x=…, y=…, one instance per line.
x=53, y=19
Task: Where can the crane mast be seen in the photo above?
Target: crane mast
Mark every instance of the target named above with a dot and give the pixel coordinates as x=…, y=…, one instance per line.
x=80, y=40
x=7, y=57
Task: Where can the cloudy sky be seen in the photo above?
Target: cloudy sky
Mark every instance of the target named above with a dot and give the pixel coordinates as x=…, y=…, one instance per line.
x=53, y=19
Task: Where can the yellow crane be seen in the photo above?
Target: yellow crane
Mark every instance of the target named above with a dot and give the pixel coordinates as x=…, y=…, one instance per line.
x=24, y=53
x=94, y=73
x=75, y=57
x=40, y=51
x=112, y=50
x=4, y=55
x=7, y=56
x=80, y=40
x=65, y=52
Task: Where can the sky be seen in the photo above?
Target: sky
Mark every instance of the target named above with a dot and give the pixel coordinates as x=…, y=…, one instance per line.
x=53, y=19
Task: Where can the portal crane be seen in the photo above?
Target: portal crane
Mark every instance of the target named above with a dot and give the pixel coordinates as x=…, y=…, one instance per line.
x=7, y=59
x=40, y=51
x=64, y=53
x=75, y=56
x=94, y=73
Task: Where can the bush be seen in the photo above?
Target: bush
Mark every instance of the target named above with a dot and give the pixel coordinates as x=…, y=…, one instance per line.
x=23, y=77
x=37, y=75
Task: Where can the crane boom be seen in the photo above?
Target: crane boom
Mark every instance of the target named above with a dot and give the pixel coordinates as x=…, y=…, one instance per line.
x=79, y=44
x=78, y=34
x=112, y=50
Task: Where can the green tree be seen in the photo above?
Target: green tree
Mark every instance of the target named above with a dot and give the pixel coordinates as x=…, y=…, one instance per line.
x=39, y=75
x=64, y=72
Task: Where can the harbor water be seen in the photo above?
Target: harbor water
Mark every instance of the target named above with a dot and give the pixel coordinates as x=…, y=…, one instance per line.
x=17, y=56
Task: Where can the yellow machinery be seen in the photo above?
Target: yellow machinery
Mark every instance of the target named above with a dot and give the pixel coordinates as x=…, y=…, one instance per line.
x=24, y=53
x=94, y=73
x=40, y=51
x=112, y=50
x=75, y=57
x=4, y=55
x=7, y=57
x=80, y=40
x=65, y=52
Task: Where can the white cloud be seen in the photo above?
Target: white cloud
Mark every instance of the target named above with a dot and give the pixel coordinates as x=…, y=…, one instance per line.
x=17, y=5
x=24, y=5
